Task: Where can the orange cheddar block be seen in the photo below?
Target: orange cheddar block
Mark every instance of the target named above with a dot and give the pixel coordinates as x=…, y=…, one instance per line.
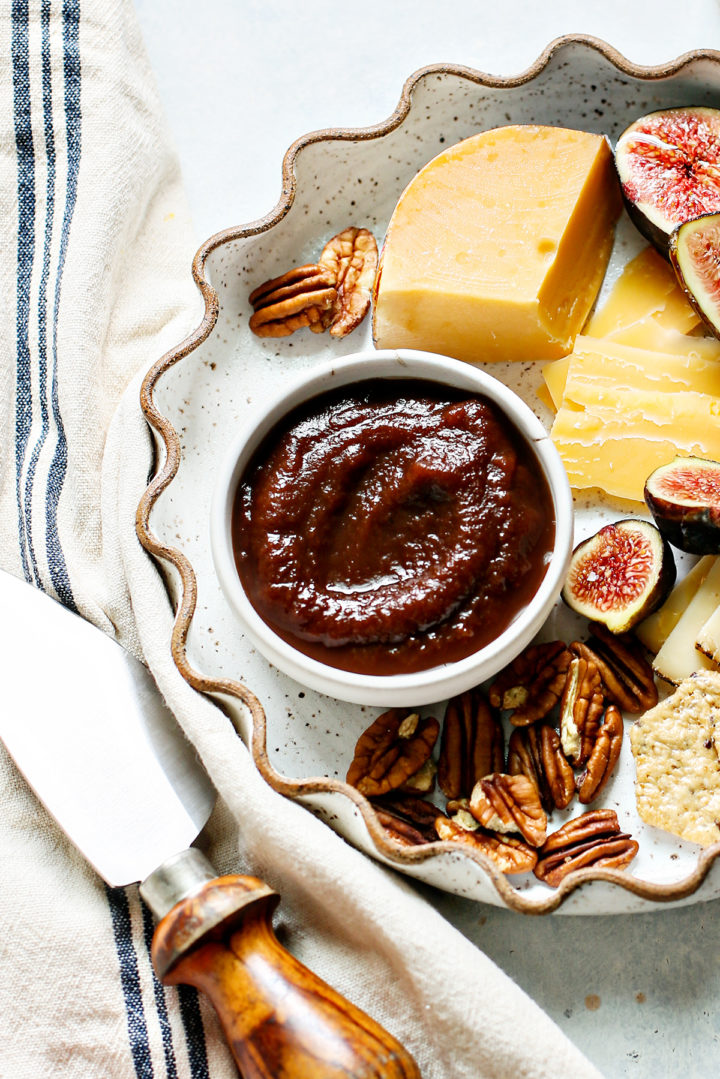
x=496, y=250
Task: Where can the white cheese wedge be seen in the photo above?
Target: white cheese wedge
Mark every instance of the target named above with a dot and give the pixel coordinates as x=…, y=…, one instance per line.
x=654, y=630
x=679, y=657
x=708, y=639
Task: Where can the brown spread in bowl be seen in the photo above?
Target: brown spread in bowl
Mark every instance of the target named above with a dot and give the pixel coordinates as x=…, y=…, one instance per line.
x=392, y=526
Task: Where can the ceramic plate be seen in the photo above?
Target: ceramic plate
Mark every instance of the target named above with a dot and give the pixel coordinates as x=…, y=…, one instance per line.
x=201, y=393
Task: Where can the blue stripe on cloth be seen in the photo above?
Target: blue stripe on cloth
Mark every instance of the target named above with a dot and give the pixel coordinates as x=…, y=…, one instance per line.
x=189, y=1013
x=25, y=250
x=160, y=1000
x=194, y=1031
x=130, y=981
x=42, y=296
x=73, y=129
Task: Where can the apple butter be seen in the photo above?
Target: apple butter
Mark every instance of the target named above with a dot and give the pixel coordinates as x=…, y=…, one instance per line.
x=392, y=526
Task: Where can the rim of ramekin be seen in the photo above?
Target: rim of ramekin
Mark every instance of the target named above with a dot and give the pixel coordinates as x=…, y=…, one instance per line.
x=435, y=683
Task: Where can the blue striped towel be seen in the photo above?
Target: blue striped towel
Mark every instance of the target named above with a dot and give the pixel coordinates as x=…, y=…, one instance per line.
x=96, y=249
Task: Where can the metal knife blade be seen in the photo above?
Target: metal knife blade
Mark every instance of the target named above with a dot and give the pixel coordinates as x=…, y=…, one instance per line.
x=86, y=725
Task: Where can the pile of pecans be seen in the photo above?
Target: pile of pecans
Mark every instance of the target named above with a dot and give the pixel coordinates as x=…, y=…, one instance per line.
x=500, y=805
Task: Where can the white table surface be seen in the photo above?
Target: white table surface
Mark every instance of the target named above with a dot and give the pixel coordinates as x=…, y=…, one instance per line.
x=240, y=80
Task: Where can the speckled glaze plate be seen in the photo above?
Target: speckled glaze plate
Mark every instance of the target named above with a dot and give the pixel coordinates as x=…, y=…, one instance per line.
x=198, y=395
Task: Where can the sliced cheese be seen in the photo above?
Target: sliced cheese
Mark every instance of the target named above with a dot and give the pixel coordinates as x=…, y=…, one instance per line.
x=555, y=375
x=708, y=638
x=497, y=248
x=544, y=396
x=620, y=437
x=646, y=287
x=616, y=462
x=643, y=354
x=624, y=411
x=654, y=630
x=650, y=334
x=595, y=366
x=679, y=657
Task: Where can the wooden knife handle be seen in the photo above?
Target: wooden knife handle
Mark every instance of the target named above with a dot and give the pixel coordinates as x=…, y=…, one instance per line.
x=281, y=1021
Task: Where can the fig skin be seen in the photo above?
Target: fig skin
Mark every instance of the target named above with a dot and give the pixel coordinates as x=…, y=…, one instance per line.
x=608, y=548
x=694, y=251
x=660, y=199
x=690, y=522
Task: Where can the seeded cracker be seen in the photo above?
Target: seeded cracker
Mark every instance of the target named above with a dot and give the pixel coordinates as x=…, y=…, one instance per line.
x=675, y=746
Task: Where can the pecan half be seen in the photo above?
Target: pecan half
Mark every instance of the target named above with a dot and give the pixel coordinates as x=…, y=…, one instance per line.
x=503, y=803
x=422, y=781
x=592, y=840
x=603, y=757
x=304, y=296
x=399, y=829
x=533, y=683
x=472, y=744
x=407, y=819
x=393, y=748
x=536, y=752
x=581, y=709
x=508, y=854
x=352, y=256
x=627, y=676
x=458, y=810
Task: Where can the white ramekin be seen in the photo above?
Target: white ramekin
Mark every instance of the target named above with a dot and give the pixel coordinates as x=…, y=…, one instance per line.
x=446, y=680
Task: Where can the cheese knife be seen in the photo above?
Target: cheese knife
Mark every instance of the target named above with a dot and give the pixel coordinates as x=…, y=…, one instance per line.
x=87, y=726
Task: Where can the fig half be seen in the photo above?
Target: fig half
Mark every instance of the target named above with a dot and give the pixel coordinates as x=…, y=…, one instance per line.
x=668, y=163
x=684, y=499
x=620, y=575
x=695, y=255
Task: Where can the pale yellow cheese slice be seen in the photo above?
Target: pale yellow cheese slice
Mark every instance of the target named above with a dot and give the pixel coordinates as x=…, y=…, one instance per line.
x=651, y=335
x=647, y=287
x=497, y=248
x=654, y=630
x=646, y=309
x=679, y=657
x=617, y=464
x=691, y=363
x=599, y=368
x=615, y=443
x=544, y=396
x=708, y=638
x=555, y=375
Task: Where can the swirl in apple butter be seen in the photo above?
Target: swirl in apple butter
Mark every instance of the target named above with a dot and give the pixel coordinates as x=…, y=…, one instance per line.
x=392, y=526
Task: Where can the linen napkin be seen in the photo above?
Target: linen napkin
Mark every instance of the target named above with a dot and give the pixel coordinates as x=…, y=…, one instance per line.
x=96, y=249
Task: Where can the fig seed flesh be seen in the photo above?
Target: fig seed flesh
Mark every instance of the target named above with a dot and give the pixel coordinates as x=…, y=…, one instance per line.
x=684, y=499
x=668, y=163
x=620, y=575
x=695, y=256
